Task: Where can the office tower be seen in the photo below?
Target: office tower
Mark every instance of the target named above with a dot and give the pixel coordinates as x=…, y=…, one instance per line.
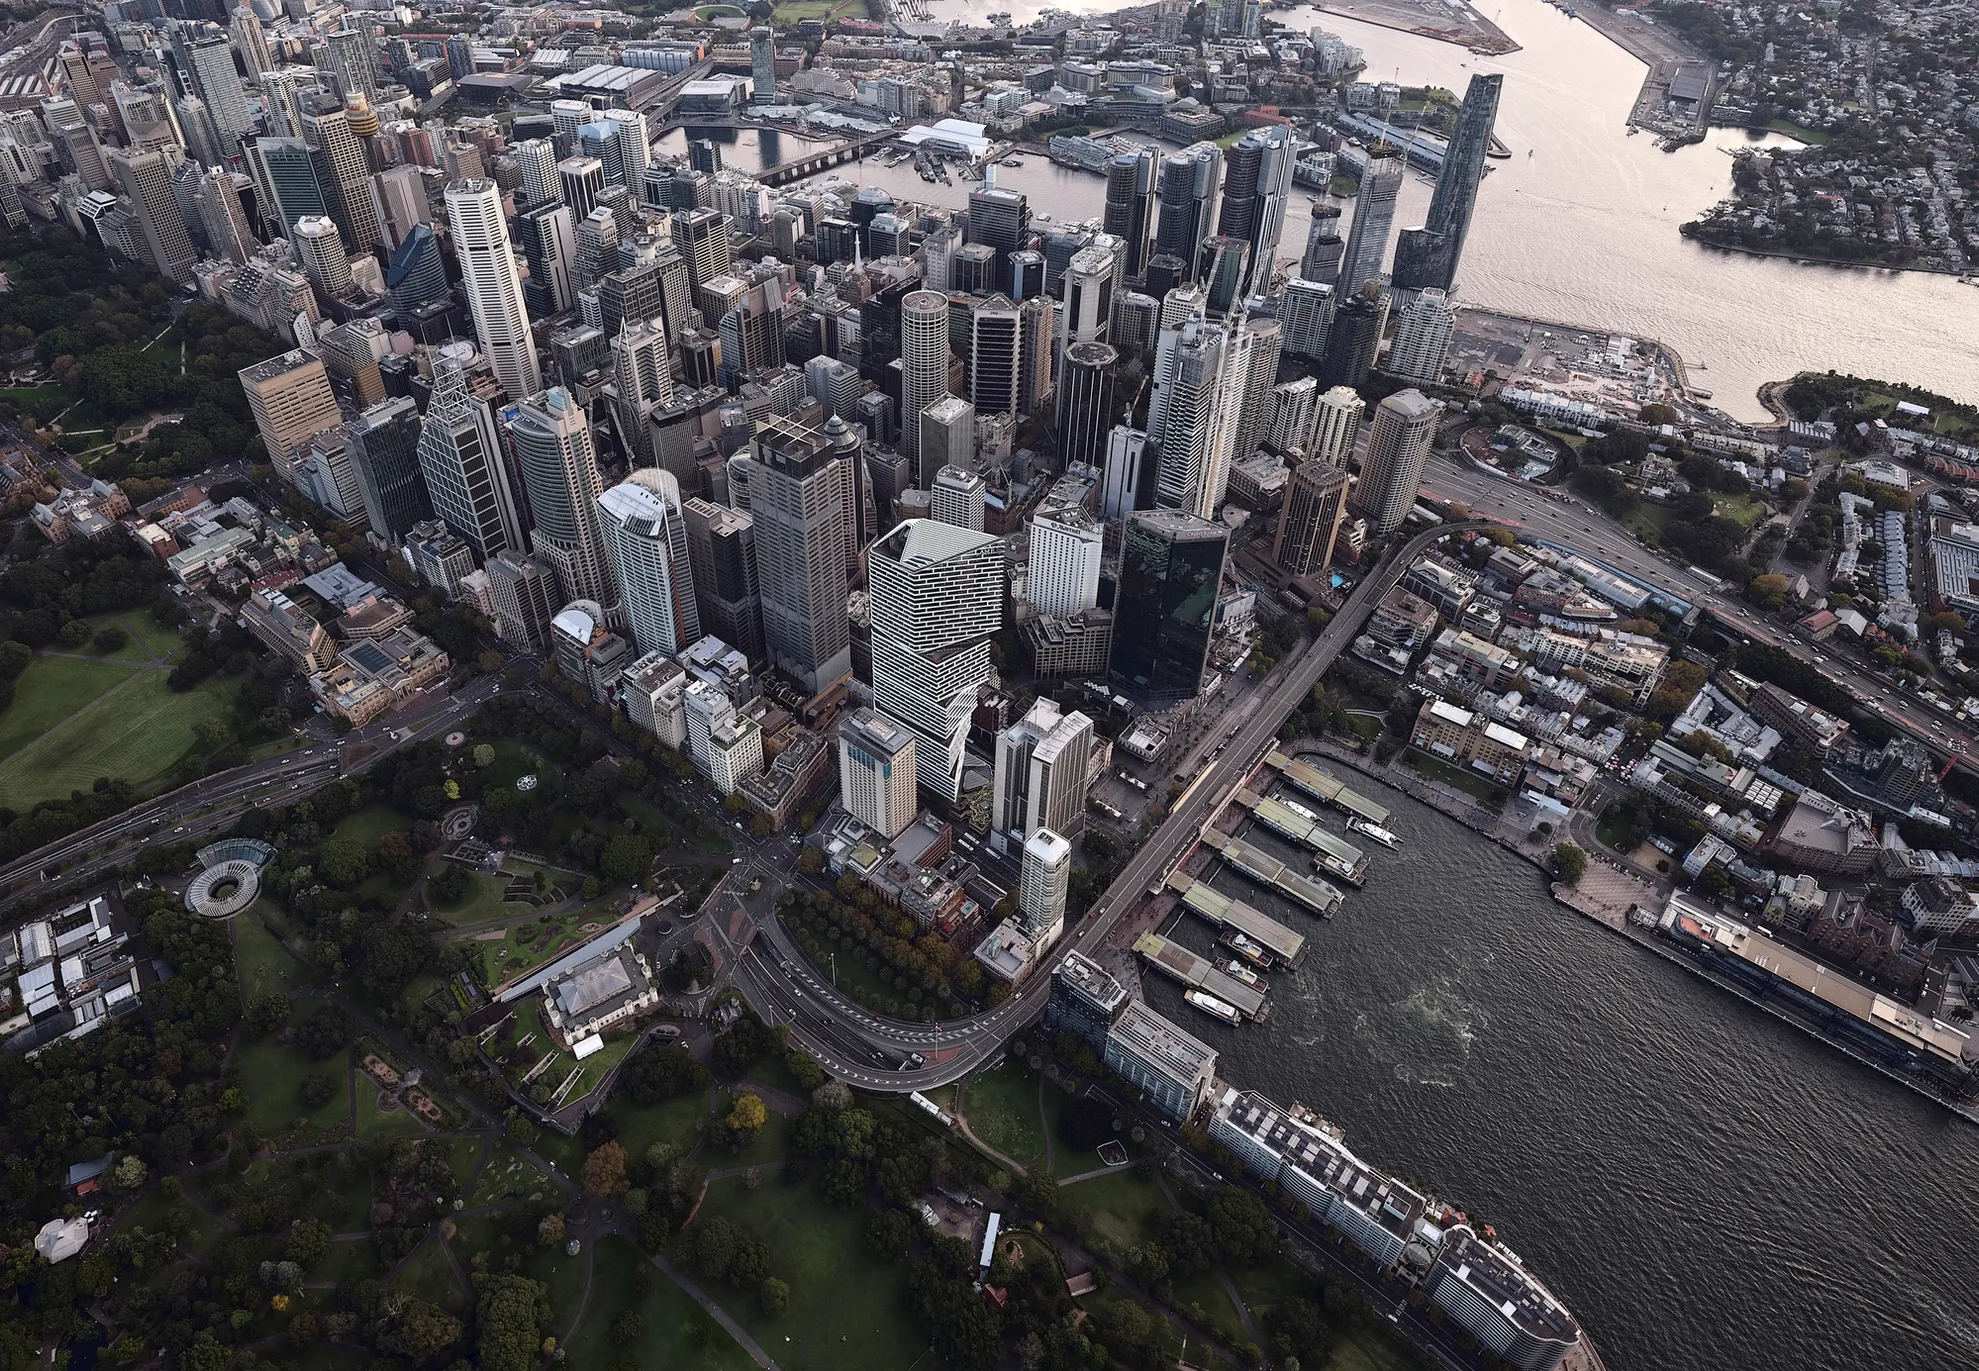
x=1002, y=219
x=1129, y=213
x=617, y=146
x=1044, y=879
x=83, y=85
x=1324, y=246
x=351, y=58
x=1422, y=337
x=1428, y=257
x=597, y=248
x=957, y=497
x=1221, y=266
x=416, y=279
x=947, y=437
x=146, y=178
x=582, y=179
x=1182, y=304
x=526, y=600
x=1026, y=275
x=1136, y=322
x=642, y=369
x=1187, y=188
x=762, y=66
x=702, y=237
x=721, y=552
x=1290, y=410
x=1306, y=313
x=559, y=466
x=344, y=172
x=1259, y=343
x=1086, y=1000
x=1165, y=610
x=566, y=118
x=494, y=290
x=251, y=39
x=1336, y=425
x=796, y=500
x=461, y=160
x=876, y=771
x=549, y=245
x=1374, y=216
x=752, y=333
x=1353, y=339
x=974, y=270
x=536, y=159
x=77, y=142
x=384, y=447
x=1256, y=187
x=223, y=219
x=1188, y=368
x=1391, y=472
x=994, y=350
x=1066, y=551
x=320, y=249
x=399, y=200
x=924, y=366
x=937, y=599
x=292, y=402
x=460, y=457
x=284, y=105
x=1309, y=519
x=1085, y=403
x=833, y=384
x=704, y=155
x=1037, y=324
x=286, y=174
x=1127, y=485
x=1088, y=287
x=646, y=541
x=210, y=61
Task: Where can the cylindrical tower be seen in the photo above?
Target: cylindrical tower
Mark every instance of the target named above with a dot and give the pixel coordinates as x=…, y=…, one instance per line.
x=1085, y=402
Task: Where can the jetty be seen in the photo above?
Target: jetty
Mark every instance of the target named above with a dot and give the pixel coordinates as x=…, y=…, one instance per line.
x=1199, y=973
x=1286, y=947
x=1325, y=787
x=1335, y=855
x=1317, y=895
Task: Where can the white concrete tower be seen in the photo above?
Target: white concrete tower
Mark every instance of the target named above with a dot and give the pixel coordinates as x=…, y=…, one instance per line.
x=493, y=286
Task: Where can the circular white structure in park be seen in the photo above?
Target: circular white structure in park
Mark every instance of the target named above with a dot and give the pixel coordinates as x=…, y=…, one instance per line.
x=525, y=784
x=230, y=877
x=456, y=738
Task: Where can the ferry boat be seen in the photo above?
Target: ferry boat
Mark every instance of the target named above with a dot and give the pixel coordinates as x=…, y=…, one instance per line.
x=1214, y=1007
x=1308, y=815
x=1249, y=949
x=1367, y=828
x=1236, y=970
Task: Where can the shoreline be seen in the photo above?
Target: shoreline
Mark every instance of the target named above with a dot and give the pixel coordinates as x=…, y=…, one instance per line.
x=1497, y=43
x=1664, y=350
x=1664, y=51
x=1802, y=259
x=1588, y=907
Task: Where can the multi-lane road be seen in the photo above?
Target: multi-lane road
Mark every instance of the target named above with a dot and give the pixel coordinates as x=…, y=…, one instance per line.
x=866, y=1050
x=1588, y=531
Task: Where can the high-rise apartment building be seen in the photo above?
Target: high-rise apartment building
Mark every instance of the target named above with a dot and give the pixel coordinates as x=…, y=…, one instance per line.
x=492, y=285
x=1325, y=249
x=351, y=57
x=1374, y=217
x=923, y=366
x=1336, y=426
x=1397, y=446
x=937, y=599
x=1181, y=415
x=1129, y=212
x=1428, y=257
x=957, y=497
x=1353, y=338
x=384, y=448
x=251, y=39
x=209, y=59
x=1305, y=312
x=553, y=448
x=1165, y=610
x=1043, y=880
x=1309, y=519
x=146, y=178
x=536, y=159
x=292, y=402
x=1422, y=337
x=721, y=551
x=762, y=65
x=646, y=539
x=797, y=503
x=1067, y=545
x=876, y=773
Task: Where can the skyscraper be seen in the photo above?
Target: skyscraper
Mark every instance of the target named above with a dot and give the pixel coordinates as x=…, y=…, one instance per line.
x=1188, y=368
x=1222, y=266
x=642, y=381
x=1170, y=571
x=876, y=781
x=948, y=437
x=994, y=352
x=582, y=178
x=1129, y=215
x=1258, y=345
x=1306, y=314
x=549, y=245
x=221, y=215
x=416, y=278
x=957, y=498
x=798, y=505
x=559, y=465
x=646, y=540
x=1043, y=881
x=494, y=290
x=1336, y=426
x=320, y=249
x=1067, y=546
x=460, y=455
x=1190, y=182
x=1429, y=256
x=345, y=174
x=146, y=177
x=351, y=57
x=702, y=237
x=1085, y=403
x=1001, y=219
x=923, y=366
x=1087, y=285
x=1309, y=519
x=937, y=599
x=536, y=159
x=1324, y=247
x=384, y=447
x=1422, y=337
x=286, y=175
x=762, y=65
x=523, y=590
x=1374, y=216
x=209, y=59
x=721, y=551
x=292, y=402
x=251, y=39
x=1391, y=473
x=1255, y=191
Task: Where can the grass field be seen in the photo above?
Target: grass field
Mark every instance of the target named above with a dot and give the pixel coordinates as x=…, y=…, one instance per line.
x=678, y=1121
x=481, y=904
x=833, y=1322
x=1002, y=1109
x=565, y=1277
x=265, y=965
x=1743, y=510
x=271, y=1074
x=507, y=1176
x=1456, y=777
x=428, y=1274
x=678, y=1335
x=1123, y=1206
x=373, y=822
x=134, y=728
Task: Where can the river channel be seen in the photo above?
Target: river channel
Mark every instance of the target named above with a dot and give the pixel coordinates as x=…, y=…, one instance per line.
x=1706, y=1187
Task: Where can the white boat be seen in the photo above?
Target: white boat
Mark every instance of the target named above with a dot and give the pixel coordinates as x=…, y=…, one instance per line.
x=1367, y=828
x=1210, y=1005
x=1236, y=970
x=1249, y=949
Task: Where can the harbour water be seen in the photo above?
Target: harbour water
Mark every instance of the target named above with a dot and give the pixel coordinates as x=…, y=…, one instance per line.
x=1706, y=1187
x=1584, y=230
